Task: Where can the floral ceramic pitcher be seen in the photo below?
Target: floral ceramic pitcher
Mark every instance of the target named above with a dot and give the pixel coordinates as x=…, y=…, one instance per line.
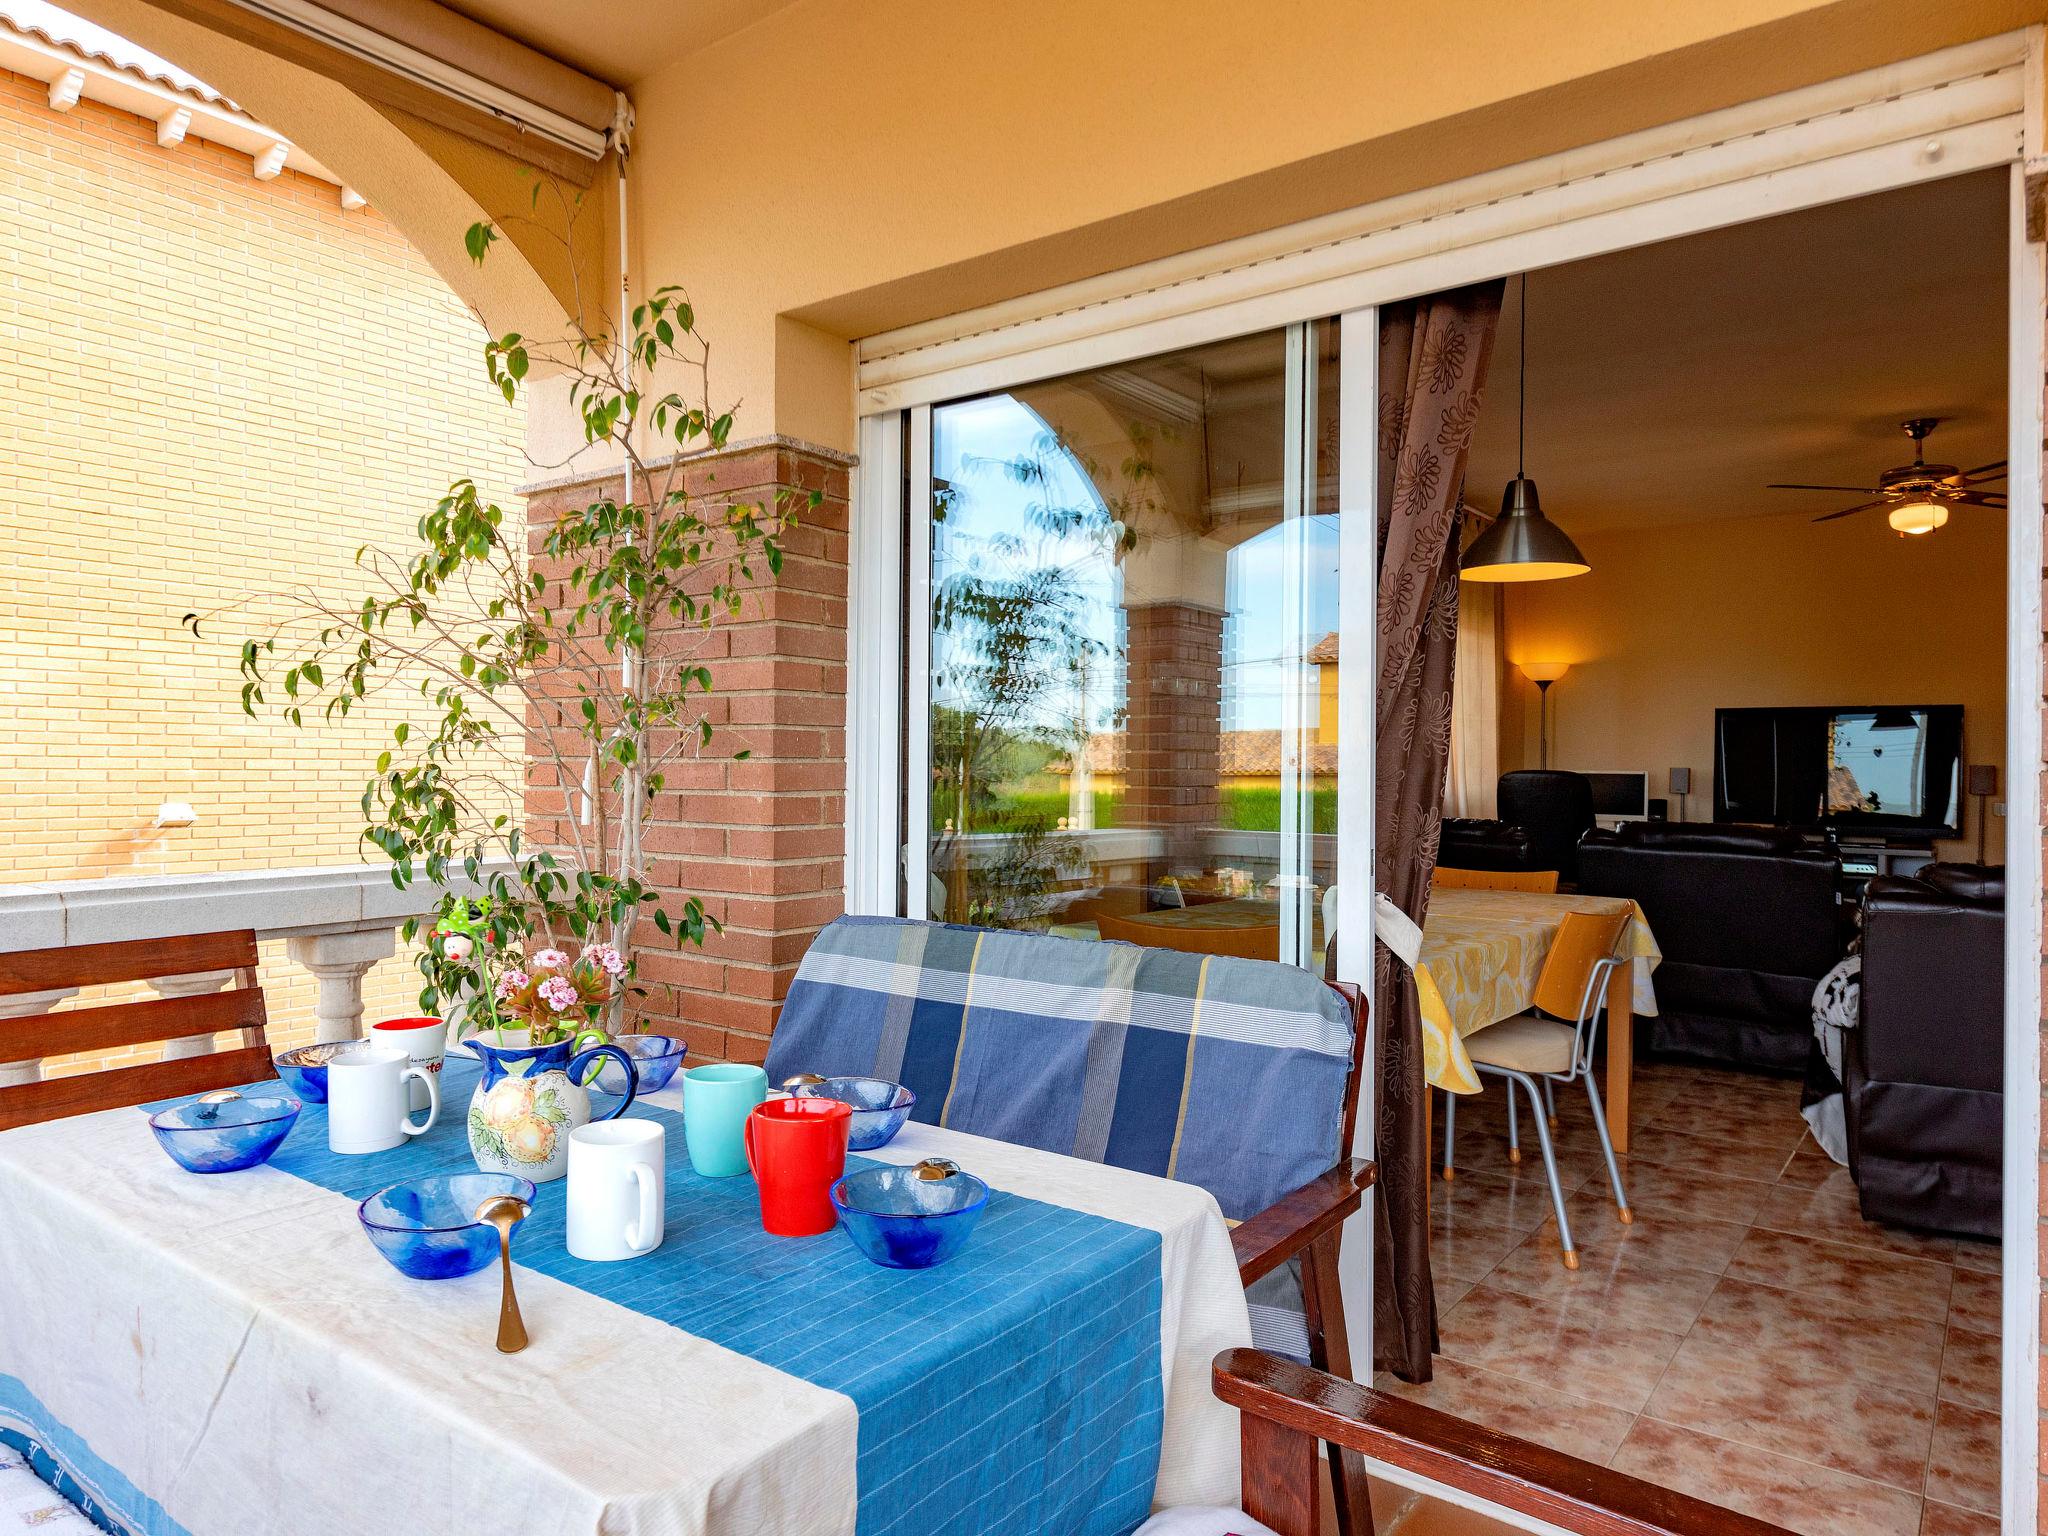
x=530, y=1098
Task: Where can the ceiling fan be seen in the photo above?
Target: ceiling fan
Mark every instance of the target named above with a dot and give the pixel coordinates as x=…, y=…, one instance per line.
x=1919, y=494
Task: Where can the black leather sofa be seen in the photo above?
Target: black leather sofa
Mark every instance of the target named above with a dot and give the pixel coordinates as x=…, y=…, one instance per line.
x=1748, y=923
x=1555, y=808
x=1470, y=842
x=1924, y=1071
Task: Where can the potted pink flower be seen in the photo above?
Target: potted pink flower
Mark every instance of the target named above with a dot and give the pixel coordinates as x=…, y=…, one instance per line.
x=557, y=997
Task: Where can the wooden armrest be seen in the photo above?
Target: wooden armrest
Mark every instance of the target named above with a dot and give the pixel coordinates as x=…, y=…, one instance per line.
x=1266, y=1241
x=1287, y=1408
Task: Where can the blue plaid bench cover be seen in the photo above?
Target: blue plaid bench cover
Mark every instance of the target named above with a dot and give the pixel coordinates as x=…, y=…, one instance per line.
x=1225, y=1073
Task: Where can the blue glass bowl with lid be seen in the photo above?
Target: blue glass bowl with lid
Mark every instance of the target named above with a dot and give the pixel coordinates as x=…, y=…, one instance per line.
x=902, y=1219
x=427, y=1227
x=225, y=1132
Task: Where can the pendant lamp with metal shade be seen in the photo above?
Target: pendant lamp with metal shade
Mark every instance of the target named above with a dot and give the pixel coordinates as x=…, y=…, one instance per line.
x=1523, y=544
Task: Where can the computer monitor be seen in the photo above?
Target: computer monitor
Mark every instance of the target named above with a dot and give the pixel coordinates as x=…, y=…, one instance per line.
x=1620, y=796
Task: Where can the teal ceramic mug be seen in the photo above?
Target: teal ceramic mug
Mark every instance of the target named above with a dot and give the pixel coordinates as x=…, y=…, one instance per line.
x=716, y=1102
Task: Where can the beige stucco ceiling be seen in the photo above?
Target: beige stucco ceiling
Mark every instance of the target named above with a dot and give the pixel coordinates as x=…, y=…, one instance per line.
x=622, y=41
x=1671, y=383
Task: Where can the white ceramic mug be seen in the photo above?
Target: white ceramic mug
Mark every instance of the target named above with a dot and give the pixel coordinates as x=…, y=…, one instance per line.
x=367, y=1108
x=425, y=1040
x=616, y=1189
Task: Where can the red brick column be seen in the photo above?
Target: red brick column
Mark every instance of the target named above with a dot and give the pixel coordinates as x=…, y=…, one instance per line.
x=1174, y=727
x=763, y=841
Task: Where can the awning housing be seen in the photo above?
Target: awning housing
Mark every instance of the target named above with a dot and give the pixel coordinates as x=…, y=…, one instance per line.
x=427, y=60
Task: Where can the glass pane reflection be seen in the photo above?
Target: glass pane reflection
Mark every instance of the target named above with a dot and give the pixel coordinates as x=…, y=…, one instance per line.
x=1133, y=650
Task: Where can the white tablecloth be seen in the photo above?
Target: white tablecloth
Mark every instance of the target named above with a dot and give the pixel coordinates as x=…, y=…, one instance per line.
x=233, y=1347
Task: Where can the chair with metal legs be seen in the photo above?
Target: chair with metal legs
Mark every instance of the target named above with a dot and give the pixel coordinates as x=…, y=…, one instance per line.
x=1537, y=1050
x=1514, y=1127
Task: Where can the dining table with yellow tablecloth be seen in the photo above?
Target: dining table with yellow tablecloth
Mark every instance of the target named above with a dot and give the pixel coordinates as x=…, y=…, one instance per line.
x=1482, y=951
x=1481, y=954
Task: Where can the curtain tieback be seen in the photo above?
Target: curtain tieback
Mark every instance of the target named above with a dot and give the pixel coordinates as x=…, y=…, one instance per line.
x=1397, y=930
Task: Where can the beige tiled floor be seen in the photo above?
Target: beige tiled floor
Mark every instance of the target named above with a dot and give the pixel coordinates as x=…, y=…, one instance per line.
x=1749, y=1339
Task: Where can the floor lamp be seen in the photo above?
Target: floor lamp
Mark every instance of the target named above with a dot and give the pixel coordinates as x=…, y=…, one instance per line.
x=1543, y=674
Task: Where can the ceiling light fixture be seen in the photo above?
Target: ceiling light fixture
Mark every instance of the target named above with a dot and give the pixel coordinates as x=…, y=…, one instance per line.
x=1915, y=517
x=1522, y=544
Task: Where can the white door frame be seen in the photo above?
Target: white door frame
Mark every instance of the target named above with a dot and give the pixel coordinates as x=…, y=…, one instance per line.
x=2020, y=1338
x=1358, y=489
x=1966, y=108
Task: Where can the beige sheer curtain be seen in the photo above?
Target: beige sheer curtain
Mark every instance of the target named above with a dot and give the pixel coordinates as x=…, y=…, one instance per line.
x=1475, y=706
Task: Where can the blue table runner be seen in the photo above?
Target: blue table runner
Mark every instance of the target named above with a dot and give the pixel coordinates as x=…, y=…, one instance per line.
x=1016, y=1389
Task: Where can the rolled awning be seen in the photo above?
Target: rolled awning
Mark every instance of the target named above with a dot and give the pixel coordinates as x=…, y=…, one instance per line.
x=427, y=60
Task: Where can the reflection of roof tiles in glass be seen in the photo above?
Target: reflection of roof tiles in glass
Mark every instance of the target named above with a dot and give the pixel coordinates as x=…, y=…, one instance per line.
x=74, y=34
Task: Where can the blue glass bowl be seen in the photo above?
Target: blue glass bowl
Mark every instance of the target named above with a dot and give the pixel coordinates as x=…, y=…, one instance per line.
x=427, y=1227
x=901, y=1221
x=655, y=1060
x=222, y=1138
x=306, y=1068
x=879, y=1108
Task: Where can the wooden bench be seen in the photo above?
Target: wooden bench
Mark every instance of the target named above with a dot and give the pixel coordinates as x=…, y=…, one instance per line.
x=1287, y=1408
x=114, y=1026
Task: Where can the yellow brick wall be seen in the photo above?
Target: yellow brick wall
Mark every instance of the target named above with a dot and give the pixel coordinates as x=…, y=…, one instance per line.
x=209, y=386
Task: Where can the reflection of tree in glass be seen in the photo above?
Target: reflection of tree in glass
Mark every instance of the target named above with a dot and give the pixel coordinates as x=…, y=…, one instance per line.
x=1013, y=648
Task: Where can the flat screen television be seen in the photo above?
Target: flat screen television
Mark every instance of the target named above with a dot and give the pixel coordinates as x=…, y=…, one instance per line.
x=1883, y=770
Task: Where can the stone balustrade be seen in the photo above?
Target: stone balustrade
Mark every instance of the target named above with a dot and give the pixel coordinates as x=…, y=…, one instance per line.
x=336, y=921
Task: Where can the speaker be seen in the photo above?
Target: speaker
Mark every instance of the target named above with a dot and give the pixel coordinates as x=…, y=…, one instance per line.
x=1982, y=779
x=1660, y=810
x=1681, y=781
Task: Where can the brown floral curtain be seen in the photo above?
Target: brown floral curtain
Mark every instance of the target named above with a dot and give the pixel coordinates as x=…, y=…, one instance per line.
x=1433, y=359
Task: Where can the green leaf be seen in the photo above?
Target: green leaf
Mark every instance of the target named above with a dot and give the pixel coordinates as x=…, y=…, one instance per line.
x=478, y=240
x=482, y=1138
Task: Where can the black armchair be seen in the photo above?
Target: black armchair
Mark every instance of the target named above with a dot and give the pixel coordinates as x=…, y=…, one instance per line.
x=1924, y=1072
x=1555, y=808
x=1471, y=843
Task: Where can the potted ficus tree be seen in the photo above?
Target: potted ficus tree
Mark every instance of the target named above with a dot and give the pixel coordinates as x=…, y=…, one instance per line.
x=569, y=655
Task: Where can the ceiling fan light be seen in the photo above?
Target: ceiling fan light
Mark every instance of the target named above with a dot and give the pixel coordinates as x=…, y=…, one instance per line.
x=1917, y=517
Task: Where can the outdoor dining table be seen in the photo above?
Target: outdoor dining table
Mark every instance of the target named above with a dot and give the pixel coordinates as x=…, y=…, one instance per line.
x=1482, y=951
x=227, y=1353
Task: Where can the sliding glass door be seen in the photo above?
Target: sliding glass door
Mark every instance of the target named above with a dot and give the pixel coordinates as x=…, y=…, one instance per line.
x=1129, y=602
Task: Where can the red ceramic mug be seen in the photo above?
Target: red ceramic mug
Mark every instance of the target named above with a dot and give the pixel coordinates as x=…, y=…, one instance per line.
x=797, y=1149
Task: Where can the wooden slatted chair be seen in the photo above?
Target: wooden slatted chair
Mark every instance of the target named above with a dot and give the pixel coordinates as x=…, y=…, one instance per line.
x=113, y=1026
x=1286, y=1408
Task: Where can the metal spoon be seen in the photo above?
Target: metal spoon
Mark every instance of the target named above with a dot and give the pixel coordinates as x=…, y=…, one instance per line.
x=506, y=1212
